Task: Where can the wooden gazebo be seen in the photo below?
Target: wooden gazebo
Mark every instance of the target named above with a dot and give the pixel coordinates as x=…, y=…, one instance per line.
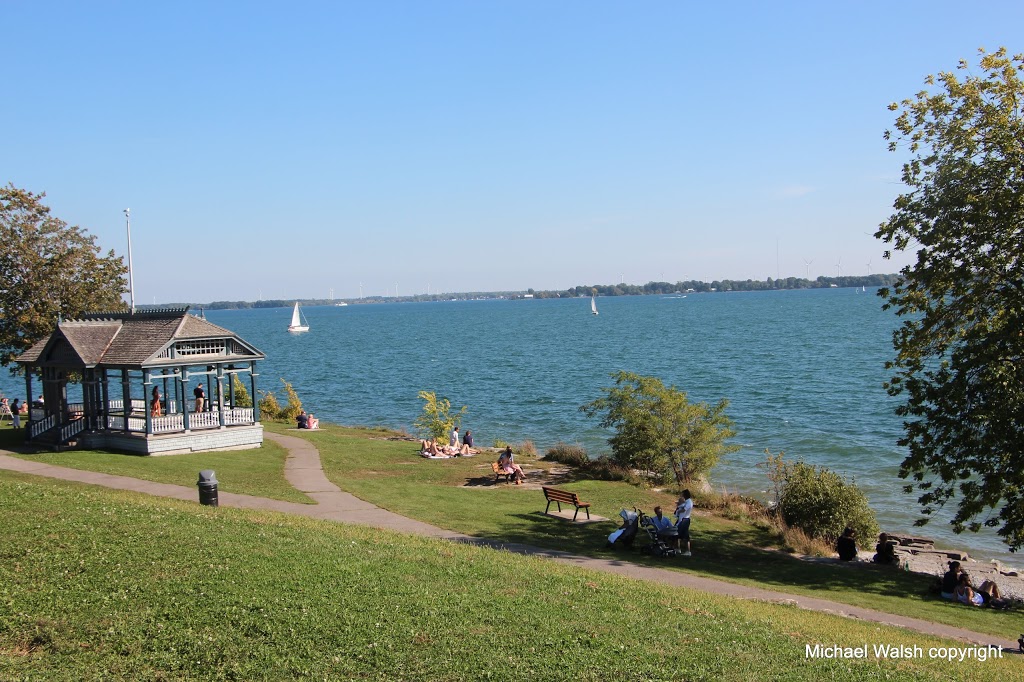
x=118, y=358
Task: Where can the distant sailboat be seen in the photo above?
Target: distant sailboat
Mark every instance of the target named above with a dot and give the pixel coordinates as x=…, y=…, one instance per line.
x=593, y=305
x=298, y=324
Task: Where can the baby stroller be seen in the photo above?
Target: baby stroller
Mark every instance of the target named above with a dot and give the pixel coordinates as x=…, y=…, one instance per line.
x=657, y=545
x=625, y=535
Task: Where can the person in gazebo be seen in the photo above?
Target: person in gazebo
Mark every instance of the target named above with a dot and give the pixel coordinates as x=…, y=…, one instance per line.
x=155, y=408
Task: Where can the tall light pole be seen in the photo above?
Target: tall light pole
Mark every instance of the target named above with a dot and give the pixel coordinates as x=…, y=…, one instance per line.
x=131, y=281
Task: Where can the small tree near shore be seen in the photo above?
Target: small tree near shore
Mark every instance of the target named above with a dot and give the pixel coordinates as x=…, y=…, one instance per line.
x=437, y=419
x=291, y=410
x=659, y=431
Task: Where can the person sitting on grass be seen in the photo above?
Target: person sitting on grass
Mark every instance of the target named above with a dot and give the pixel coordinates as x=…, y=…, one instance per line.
x=989, y=592
x=950, y=580
x=312, y=422
x=846, y=545
x=885, y=550
x=965, y=594
x=467, y=444
x=508, y=466
x=301, y=420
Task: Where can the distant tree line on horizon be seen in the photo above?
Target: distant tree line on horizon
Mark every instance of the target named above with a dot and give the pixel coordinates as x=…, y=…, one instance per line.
x=651, y=288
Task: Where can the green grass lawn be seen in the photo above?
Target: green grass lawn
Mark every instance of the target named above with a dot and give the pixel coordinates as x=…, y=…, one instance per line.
x=99, y=584
x=457, y=494
x=257, y=472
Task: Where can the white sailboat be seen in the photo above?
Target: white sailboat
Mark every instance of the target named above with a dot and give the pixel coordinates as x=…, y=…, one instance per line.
x=593, y=305
x=298, y=323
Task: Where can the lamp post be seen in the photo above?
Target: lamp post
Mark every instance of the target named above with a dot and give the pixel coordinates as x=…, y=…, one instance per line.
x=131, y=281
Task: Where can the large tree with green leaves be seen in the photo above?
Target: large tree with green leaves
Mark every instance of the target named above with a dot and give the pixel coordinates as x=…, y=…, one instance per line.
x=959, y=364
x=659, y=431
x=48, y=269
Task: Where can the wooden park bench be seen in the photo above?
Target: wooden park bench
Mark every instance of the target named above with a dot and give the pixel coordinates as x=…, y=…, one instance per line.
x=559, y=496
x=498, y=473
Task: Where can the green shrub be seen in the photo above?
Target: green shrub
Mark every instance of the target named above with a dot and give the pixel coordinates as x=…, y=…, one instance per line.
x=526, y=448
x=819, y=501
x=734, y=506
x=501, y=444
x=573, y=455
x=604, y=468
x=242, y=397
x=269, y=407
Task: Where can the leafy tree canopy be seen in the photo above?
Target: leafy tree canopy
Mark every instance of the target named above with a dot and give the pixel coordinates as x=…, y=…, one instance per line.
x=48, y=269
x=659, y=431
x=960, y=345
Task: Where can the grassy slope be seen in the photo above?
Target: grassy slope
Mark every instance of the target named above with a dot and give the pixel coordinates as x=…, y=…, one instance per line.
x=99, y=584
x=456, y=494
x=249, y=472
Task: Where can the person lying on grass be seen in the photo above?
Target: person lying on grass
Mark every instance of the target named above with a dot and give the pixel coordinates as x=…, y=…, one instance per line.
x=430, y=448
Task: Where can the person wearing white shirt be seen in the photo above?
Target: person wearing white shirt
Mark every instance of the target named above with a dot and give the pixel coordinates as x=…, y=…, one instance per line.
x=683, y=511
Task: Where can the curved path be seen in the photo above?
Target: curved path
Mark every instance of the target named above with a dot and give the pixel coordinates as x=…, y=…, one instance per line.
x=304, y=472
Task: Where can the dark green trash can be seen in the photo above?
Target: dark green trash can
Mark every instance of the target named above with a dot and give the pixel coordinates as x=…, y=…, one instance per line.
x=207, y=487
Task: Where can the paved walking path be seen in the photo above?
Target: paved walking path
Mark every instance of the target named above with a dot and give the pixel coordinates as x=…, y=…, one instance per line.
x=303, y=470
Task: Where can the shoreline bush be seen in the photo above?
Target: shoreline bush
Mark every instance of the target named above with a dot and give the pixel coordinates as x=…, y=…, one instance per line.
x=819, y=501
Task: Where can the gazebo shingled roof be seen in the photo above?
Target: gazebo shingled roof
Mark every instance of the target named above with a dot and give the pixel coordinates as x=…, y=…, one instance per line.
x=126, y=339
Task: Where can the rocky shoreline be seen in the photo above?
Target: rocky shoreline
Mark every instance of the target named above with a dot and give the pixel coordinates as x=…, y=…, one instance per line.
x=919, y=555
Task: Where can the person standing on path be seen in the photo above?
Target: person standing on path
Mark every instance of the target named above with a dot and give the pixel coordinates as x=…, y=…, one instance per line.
x=200, y=395
x=683, y=511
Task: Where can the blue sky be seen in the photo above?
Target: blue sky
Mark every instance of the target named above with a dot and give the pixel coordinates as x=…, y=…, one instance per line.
x=282, y=150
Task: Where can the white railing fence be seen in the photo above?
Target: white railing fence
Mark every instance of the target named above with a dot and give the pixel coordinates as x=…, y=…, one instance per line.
x=42, y=425
x=137, y=421
x=69, y=431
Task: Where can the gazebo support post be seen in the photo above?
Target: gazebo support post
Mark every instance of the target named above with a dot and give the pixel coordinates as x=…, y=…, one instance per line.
x=255, y=396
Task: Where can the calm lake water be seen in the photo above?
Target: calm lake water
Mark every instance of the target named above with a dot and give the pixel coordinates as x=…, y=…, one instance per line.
x=803, y=371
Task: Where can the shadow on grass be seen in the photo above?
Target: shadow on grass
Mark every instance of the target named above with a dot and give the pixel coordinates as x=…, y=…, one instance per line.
x=729, y=554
